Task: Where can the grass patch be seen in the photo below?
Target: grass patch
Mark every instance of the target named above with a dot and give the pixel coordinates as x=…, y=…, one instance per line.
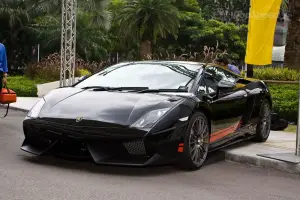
x=23, y=86
x=291, y=129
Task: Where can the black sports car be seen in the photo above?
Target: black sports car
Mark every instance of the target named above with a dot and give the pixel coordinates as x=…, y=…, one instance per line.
x=150, y=112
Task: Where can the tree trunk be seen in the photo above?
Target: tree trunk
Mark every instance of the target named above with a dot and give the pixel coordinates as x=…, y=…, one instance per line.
x=145, y=50
x=292, y=49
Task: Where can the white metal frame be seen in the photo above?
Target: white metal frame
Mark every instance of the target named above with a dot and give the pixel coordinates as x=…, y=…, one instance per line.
x=68, y=42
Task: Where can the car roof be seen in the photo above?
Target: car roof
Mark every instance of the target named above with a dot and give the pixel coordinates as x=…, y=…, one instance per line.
x=165, y=61
x=180, y=62
x=190, y=63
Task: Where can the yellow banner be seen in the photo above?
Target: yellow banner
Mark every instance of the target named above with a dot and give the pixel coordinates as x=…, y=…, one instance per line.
x=261, y=30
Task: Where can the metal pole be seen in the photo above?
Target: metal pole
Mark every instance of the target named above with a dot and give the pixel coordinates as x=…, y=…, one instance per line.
x=298, y=126
x=38, y=52
x=62, y=47
x=74, y=41
x=68, y=42
x=246, y=65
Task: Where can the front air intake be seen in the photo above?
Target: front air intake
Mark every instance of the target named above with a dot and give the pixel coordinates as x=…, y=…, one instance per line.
x=135, y=147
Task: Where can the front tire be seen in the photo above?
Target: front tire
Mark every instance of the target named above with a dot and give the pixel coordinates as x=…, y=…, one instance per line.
x=264, y=125
x=196, y=143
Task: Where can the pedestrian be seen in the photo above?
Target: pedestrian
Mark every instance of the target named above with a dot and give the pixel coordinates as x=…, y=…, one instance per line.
x=3, y=66
x=224, y=63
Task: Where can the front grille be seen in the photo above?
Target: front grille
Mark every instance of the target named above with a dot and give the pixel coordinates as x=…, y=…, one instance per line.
x=135, y=147
x=81, y=132
x=83, y=123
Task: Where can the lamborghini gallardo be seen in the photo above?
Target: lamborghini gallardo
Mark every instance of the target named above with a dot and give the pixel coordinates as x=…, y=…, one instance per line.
x=148, y=113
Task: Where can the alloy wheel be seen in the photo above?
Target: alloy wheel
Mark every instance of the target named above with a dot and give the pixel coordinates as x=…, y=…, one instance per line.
x=199, y=141
x=265, y=120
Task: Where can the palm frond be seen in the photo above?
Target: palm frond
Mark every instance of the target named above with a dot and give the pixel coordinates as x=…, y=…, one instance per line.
x=148, y=19
x=284, y=5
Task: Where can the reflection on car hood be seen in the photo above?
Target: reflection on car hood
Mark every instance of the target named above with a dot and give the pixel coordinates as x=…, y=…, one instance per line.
x=121, y=108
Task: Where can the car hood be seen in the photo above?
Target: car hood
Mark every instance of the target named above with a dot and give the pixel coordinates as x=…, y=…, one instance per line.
x=122, y=108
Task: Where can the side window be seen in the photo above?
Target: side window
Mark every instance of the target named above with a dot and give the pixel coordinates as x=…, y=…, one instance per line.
x=221, y=74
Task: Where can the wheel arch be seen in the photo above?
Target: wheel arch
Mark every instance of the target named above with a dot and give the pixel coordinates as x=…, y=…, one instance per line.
x=267, y=94
x=269, y=100
x=207, y=113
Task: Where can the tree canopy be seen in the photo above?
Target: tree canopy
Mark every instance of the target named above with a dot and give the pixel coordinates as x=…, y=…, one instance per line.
x=133, y=28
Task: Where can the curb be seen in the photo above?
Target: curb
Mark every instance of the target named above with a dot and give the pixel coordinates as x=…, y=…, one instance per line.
x=15, y=108
x=262, y=162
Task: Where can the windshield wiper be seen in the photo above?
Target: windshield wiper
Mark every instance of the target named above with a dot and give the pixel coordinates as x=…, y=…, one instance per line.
x=128, y=88
x=95, y=87
x=162, y=90
x=137, y=89
x=102, y=88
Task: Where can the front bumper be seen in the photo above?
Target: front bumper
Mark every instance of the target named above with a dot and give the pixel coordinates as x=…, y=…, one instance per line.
x=113, y=146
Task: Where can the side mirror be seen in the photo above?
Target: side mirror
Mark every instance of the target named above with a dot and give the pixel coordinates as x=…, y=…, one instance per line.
x=225, y=84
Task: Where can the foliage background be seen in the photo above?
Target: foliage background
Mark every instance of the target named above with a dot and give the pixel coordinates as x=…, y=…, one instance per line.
x=203, y=30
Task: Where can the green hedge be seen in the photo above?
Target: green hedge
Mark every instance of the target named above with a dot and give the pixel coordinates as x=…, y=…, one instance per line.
x=285, y=100
x=276, y=73
x=23, y=86
x=285, y=96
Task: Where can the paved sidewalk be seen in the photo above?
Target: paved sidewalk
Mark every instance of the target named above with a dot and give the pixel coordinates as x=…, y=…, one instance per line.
x=278, y=142
x=47, y=87
x=245, y=153
x=24, y=103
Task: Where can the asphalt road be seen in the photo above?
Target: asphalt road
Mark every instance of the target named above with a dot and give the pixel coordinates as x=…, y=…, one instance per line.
x=25, y=177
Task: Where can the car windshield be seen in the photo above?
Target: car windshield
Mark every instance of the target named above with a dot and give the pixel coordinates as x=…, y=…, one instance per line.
x=149, y=75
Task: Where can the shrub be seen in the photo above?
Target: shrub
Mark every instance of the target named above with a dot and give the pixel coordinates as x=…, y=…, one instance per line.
x=276, y=73
x=48, y=69
x=285, y=100
x=23, y=86
x=285, y=96
x=84, y=72
x=95, y=67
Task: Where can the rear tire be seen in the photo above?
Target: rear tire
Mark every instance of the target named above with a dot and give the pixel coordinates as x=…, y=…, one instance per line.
x=196, y=143
x=264, y=125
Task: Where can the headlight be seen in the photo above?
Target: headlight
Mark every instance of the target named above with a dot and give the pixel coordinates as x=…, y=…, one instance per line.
x=35, y=110
x=148, y=120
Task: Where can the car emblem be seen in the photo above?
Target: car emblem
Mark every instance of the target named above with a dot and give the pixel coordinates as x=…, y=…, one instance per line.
x=79, y=119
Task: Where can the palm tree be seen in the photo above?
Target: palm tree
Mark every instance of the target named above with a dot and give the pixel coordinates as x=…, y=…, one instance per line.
x=96, y=9
x=292, y=49
x=15, y=31
x=13, y=17
x=92, y=24
x=146, y=20
x=27, y=22
x=284, y=5
x=92, y=42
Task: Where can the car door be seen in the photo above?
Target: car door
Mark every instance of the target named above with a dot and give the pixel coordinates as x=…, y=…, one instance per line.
x=227, y=104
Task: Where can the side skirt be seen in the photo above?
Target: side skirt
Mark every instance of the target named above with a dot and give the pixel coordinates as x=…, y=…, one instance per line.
x=231, y=142
x=244, y=133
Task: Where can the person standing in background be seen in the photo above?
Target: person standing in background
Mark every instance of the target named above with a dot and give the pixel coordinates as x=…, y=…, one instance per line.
x=224, y=63
x=3, y=66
